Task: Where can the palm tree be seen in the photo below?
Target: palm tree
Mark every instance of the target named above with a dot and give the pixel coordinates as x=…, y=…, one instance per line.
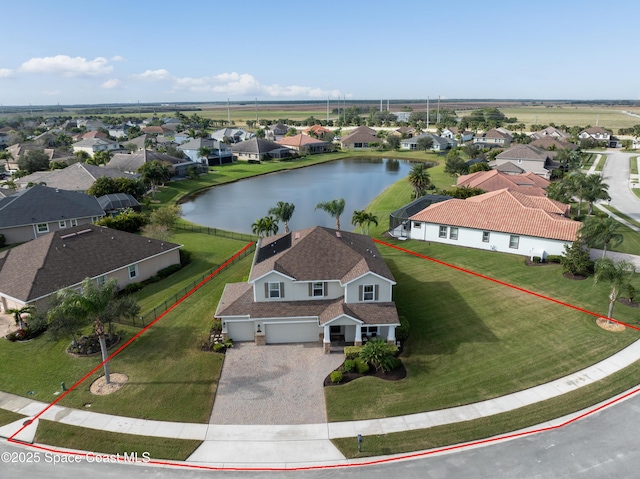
x=154, y=173
x=98, y=304
x=283, y=212
x=358, y=219
x=368, y=219
x=594, y=190
x=265, y=226
x=597, y=231
x=419, y=179
x=576, y=181
x=334, y=207
x=617, y=274
x=19, y=312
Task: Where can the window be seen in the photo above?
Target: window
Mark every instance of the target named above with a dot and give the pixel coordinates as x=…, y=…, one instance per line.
x=317, y=289
x=368, y=292
x=73, y=222
x=94, y=219
x=443, y=232
x=101, y=280
x=514, y=241
x=274, y=290
x=453, y=233
x=133, y=271
x=370, y=331
x=485, y=236
x=417, y=225
x=62, y=224
x=43, y=228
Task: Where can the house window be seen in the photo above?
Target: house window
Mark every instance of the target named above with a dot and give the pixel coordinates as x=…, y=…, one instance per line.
x=317, y=289
x=133, y=271
x=369, y=292
x=514, y=241
x=73, y=222
x=94, y=219
x=417, y=225
x=443, y=232
x=62, y=224
x=453, y=233
x=371, y=331
x=100, y=280
x=485, y=236
x=43, y=228
x=275, y=290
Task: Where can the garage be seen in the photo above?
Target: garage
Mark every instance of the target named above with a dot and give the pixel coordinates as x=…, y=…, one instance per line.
x=240, y=330
x=298, y=332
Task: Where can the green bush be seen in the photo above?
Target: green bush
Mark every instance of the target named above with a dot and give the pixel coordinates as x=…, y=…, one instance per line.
x=219, y=347
x=361, y=366
x=185, y=257
x=228, y=343
x=349, y=365
x=131, y=288
x=402, y=331
x=216, y=327
x=336, y=377
x=169, y=270
x=379, y=354
x=352, y=352
x=554, y=258
x=396, y=363
x=537, y=259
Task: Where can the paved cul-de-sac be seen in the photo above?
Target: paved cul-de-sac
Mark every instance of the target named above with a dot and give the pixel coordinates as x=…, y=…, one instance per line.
x=273, y=384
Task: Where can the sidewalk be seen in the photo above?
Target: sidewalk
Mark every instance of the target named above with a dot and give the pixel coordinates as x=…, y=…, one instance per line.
x=309, y=443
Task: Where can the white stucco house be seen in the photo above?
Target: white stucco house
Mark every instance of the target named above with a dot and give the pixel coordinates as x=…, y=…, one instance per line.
x=503, y=220
x=316, y=285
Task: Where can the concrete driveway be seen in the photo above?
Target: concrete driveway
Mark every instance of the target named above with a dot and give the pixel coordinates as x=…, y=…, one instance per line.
x=273, y=384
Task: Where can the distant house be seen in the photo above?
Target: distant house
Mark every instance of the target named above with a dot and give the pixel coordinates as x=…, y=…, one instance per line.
x=402, y=116
x=453, y=133
x=596, y=133
x=219, y=153
x=316, y=130
x=529, y=158
x=32, y=272
x=439, y=143
x=494, y=180
x=304, y=144
x=279, y=129
x=404, y=131
x=551, y=143
x=550, y=132
x=495, y=137
x=17, y=150
x=503, y=220
x=140, y=142
x=157, y=130
x=361, y=137
x=235, y=135
x=90, y=125
x=40, y=210
x=119, y=131
x=94, y=145
x=77, y=177
x=316, y=285
x=256, y=148
x=131, y=162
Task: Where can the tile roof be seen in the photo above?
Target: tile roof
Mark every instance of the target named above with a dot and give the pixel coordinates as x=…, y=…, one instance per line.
x=317, y=129
x=42, y=204
x=493, y=180
x=299, y=140
x=64, y=258
x=505, y=211
x=318, y=254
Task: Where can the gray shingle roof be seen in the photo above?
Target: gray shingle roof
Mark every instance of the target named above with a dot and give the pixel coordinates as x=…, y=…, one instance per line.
x=42, y=204
x=255, y=145
x=76, y=177
x=60, y=259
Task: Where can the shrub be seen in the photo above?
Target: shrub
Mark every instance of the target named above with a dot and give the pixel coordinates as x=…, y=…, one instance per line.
x=352, y=352
x=402, y=331
x=379, y=354
x=228, y=342
x=216, y=327
x=361, y=366
x=349, y=365
x=185, y=257
x=219, y=347
x=396, y=363
x=169, y=270
x=336, y=377
x=554, y=258
x=537, y=259
x=3, y=240
x=131, y=288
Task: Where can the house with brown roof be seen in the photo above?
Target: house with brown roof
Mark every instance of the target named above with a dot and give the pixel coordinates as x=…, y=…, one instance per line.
x=529, y=159
x=550, y=132
x=305, y=144
x=316, y=285
x=32, y=272
x=360, y=137
x=503, y=220
x=256, y=149
x=316, y=130
x=494, y=180
x=596, y=133
x=495, y=137
x=553, y=144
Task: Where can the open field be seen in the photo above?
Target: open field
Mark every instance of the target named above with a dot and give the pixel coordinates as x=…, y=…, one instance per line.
x=606, y=117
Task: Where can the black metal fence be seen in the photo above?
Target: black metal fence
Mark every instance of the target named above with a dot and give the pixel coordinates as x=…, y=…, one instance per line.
x=142, y=321
x=216, y=232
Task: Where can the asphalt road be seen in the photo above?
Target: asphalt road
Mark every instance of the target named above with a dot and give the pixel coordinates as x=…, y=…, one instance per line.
x=616, y=175
x=604, y=444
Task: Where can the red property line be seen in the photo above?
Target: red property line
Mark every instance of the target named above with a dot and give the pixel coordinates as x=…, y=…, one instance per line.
x=140, y=333
x=415, y=455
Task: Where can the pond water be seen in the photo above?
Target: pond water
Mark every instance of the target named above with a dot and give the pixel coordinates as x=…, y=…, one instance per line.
x=236, y=206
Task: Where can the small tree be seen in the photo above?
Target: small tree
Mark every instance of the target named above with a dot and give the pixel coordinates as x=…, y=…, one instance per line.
x=393, y=142
x=576, y=259
x=379, y=354
x=424, y=143
x=334, y=207
x=166, y=216
x=454, y=165
x=34, y=160
x=618, y=274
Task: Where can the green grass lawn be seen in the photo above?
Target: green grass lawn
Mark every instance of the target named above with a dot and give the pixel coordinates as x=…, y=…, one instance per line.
x=7, y=417
x=465, y=331
x=633, y=165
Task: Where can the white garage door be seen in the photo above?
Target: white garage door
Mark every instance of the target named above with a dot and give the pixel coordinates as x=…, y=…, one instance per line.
x=292, y=332
x=240, y=330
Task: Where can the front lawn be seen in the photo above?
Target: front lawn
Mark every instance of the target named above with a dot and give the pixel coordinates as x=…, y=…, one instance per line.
x=472, y=339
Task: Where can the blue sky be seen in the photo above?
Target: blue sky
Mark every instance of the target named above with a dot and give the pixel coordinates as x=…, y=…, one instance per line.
x=69, y=51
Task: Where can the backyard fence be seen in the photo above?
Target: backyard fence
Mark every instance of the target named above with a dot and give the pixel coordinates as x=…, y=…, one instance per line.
x=216, y=232
x=143, y=320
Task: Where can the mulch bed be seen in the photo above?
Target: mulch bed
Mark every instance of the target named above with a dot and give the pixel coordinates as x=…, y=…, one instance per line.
x=577, y=277
x=628, y=302
x=528, y=262
x=90, y=346
x=393, y=375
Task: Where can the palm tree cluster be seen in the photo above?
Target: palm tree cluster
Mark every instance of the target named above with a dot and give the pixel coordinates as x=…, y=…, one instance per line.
x=584, y=187
x=363, y=219
x=266, y=226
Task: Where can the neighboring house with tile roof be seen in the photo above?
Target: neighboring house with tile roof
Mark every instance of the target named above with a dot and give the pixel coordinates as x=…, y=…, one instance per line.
x=317, y=130
x=313, y=285
x=503, y=220
x=305, y=144
x=530, y=159
x=255, y=149
x=494, y=180
x=77, y=177
x=40, y=210
x=32, y=272
x=550, y=132
x=220, y=153
x=493, y=138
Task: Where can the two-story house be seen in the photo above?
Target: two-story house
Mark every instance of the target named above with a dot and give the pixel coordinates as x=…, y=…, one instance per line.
x=312, y=285
x=495, y=137
x=218, y=153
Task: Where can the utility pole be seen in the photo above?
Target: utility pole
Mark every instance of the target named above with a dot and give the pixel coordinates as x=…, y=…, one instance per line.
x=256, y=111
x=438, y=111
x=228, y=113
x=427, y=113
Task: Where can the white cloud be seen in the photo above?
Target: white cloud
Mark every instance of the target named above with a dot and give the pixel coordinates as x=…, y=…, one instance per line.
x=67, y=66
x=118, y=58
x=51, y=92
x=160, y=74
x=111, y=83
x=6, y=73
